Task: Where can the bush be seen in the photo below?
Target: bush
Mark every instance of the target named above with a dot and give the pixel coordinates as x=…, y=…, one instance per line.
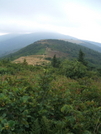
x=73, y=69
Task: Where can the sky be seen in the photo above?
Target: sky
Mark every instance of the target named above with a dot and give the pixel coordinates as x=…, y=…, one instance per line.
x=77, y=18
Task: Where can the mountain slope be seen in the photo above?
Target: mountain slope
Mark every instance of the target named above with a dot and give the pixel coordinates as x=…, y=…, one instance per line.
x=92, y=45
x=89, y=44
x=11, y=43
x=7, y=37
x=95, y=43
x=61, y=48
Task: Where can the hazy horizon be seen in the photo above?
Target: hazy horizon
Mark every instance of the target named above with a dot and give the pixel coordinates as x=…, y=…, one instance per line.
x=78, y=18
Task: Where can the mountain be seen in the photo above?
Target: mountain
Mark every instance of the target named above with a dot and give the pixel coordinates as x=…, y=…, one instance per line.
x=92, y=45
x=10, y=43
x=13, y=42
x=7, y=36
x=60, y=48
x=95, y=43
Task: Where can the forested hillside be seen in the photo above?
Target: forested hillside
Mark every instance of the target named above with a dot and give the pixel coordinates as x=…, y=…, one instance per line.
x=13, y=42
x=58, y=47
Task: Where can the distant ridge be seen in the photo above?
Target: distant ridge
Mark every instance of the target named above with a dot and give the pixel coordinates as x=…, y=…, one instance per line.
x=13, y=42
x=60, y=48
x=9, y=43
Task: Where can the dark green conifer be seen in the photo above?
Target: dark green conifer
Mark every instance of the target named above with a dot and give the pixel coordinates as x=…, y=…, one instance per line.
x=55, y=61
x=81, y=57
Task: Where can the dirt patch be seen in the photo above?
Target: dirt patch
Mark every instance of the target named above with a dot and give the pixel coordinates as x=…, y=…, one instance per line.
x=73, y=41
x=32, y=60
x=43, y=42
x=51, y=53
x=40, y=59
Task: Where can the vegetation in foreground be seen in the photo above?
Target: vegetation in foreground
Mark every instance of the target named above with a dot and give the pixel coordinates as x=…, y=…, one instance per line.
x=63, y=97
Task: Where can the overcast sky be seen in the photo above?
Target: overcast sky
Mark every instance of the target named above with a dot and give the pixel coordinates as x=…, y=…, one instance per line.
x=78, y=18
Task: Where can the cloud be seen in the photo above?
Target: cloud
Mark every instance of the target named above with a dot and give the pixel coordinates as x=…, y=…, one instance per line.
x=77, y=18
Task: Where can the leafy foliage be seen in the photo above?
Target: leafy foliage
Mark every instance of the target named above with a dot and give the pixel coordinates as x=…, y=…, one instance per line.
x=73, y=69
x=48, y=100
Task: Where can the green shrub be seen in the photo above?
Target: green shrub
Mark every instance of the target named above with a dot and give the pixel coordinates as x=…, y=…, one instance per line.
x=73, y=69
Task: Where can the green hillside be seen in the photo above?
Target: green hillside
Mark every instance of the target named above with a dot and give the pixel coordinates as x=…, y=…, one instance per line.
x=60, y=99
x=63, y=48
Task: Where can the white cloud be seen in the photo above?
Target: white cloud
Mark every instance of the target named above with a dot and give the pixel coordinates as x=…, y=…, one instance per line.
x=77, y=18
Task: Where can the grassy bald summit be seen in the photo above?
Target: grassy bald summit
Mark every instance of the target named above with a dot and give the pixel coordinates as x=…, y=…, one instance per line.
x=60, y=48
